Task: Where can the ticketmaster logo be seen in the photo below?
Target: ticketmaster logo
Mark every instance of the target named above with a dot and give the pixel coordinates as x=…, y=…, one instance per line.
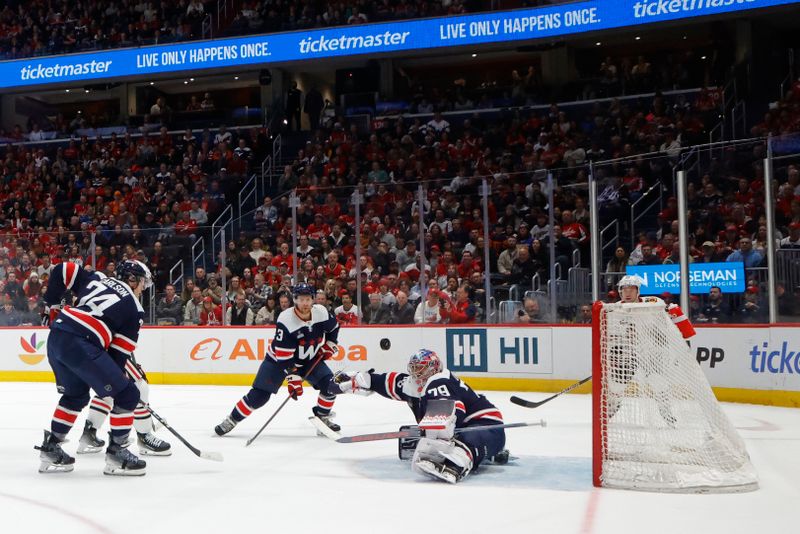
x=327, y=44
x=39, y=71
x=656, y=8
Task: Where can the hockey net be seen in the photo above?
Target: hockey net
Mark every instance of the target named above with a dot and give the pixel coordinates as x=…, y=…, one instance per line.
x=657, y=424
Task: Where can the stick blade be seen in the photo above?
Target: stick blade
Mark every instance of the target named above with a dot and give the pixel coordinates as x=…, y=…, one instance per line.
x=213, y=456
x=323, y=429
x=522, y=402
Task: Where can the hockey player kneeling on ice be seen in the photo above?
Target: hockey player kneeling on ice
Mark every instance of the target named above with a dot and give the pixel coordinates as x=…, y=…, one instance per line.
x=300, y=333
x=88, y=346
x=441, y=403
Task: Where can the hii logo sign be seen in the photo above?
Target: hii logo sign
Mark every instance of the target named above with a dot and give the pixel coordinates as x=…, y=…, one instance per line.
x=519, y=350
x=466, y=350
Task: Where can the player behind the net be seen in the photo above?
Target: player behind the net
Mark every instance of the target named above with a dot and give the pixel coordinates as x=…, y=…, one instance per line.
x=303, y=333
x=439, y=454
x=88, y=347
x=624, y=363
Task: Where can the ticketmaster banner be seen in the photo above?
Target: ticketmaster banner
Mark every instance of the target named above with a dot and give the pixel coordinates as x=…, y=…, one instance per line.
x=503, y=26
x=728, y=276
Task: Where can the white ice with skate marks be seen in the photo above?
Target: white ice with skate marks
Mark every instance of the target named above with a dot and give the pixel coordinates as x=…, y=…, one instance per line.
x=289, y=480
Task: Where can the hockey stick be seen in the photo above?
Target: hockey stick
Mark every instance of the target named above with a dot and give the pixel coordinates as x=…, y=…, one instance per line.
x=251, y=440
x=215, y=456
x=531, y=404
x=417, y=433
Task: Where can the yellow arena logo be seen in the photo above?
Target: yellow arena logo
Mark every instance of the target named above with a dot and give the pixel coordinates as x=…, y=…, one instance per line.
x=32, y=356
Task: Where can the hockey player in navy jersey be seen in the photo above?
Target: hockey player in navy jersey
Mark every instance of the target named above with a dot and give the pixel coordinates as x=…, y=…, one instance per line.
x=302, y=332
x=88, y=348
x=439, y=454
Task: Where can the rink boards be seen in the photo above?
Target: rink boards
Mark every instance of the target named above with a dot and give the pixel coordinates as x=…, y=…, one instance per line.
x=754, y=364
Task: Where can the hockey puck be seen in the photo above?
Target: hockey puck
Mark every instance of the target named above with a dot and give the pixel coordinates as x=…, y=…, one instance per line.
x=386, y=344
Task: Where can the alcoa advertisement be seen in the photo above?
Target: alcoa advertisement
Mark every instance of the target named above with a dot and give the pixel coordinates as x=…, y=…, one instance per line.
x=758, y=364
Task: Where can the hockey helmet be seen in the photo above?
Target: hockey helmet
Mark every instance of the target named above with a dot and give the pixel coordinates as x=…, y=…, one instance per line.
x=631, y=280
x=136, y=269
x=303, y=289
x=423, y=364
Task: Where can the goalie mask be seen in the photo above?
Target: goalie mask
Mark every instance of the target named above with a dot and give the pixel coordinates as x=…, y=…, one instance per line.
x=422, y=365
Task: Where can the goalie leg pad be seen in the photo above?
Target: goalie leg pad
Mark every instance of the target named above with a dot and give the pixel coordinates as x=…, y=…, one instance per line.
x=449, y=461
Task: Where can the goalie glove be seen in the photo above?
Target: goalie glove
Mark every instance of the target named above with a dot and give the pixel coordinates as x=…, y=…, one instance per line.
x=357, y=383
x=329, y=350
x=295, y=385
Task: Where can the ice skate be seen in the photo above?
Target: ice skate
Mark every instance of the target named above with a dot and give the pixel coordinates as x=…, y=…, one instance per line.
x=89, y=442
x=151, y=445
x=326, y=420
x=122, y=462
x=53, y=457
x=225, y=426
x=502, y=457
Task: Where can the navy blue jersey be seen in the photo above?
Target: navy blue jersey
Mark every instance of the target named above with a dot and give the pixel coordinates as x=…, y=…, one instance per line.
x=296, y=340
x=471, y=408
x=106, y=310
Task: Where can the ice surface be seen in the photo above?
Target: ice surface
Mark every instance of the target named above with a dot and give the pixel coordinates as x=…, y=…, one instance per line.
x=290, y=481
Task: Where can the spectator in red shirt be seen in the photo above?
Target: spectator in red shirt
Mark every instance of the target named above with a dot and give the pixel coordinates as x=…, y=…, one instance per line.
x=186, y=226
x=574, y=231
x=283, y=257
x=333, y=269
x=318, y=229
x=462, y=311
x=467, y=265
x=210, y=315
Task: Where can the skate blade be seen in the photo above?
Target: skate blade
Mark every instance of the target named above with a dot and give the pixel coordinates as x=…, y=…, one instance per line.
x=148, y=452
x=322, y=429
x=47, y=467
x=118, y=471
x=89, y=449
x=430, y=469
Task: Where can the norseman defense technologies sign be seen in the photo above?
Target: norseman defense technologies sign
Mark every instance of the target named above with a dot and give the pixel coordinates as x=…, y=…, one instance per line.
x=364, y=39
x=729, y=277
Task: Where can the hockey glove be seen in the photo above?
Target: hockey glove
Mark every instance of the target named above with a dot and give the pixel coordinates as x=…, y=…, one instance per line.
x=357, y=383
x=329, y=350
x=295, y=385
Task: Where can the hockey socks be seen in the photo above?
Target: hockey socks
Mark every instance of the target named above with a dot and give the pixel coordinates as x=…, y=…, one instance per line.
x=324, y=405
x=63, y=419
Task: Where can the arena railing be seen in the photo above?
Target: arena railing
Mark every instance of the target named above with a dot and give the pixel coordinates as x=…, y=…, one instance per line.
x=560, y=283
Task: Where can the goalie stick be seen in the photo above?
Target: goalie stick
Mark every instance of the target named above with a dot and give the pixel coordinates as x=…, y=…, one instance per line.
x=417, y=433
x=532, y=404
x=214, y=456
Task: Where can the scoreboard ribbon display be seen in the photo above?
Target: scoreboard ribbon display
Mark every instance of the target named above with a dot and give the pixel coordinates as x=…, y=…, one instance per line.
x=402, y=36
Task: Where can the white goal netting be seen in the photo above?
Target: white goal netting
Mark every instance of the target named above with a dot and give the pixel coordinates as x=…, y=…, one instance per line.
x=658, y=425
